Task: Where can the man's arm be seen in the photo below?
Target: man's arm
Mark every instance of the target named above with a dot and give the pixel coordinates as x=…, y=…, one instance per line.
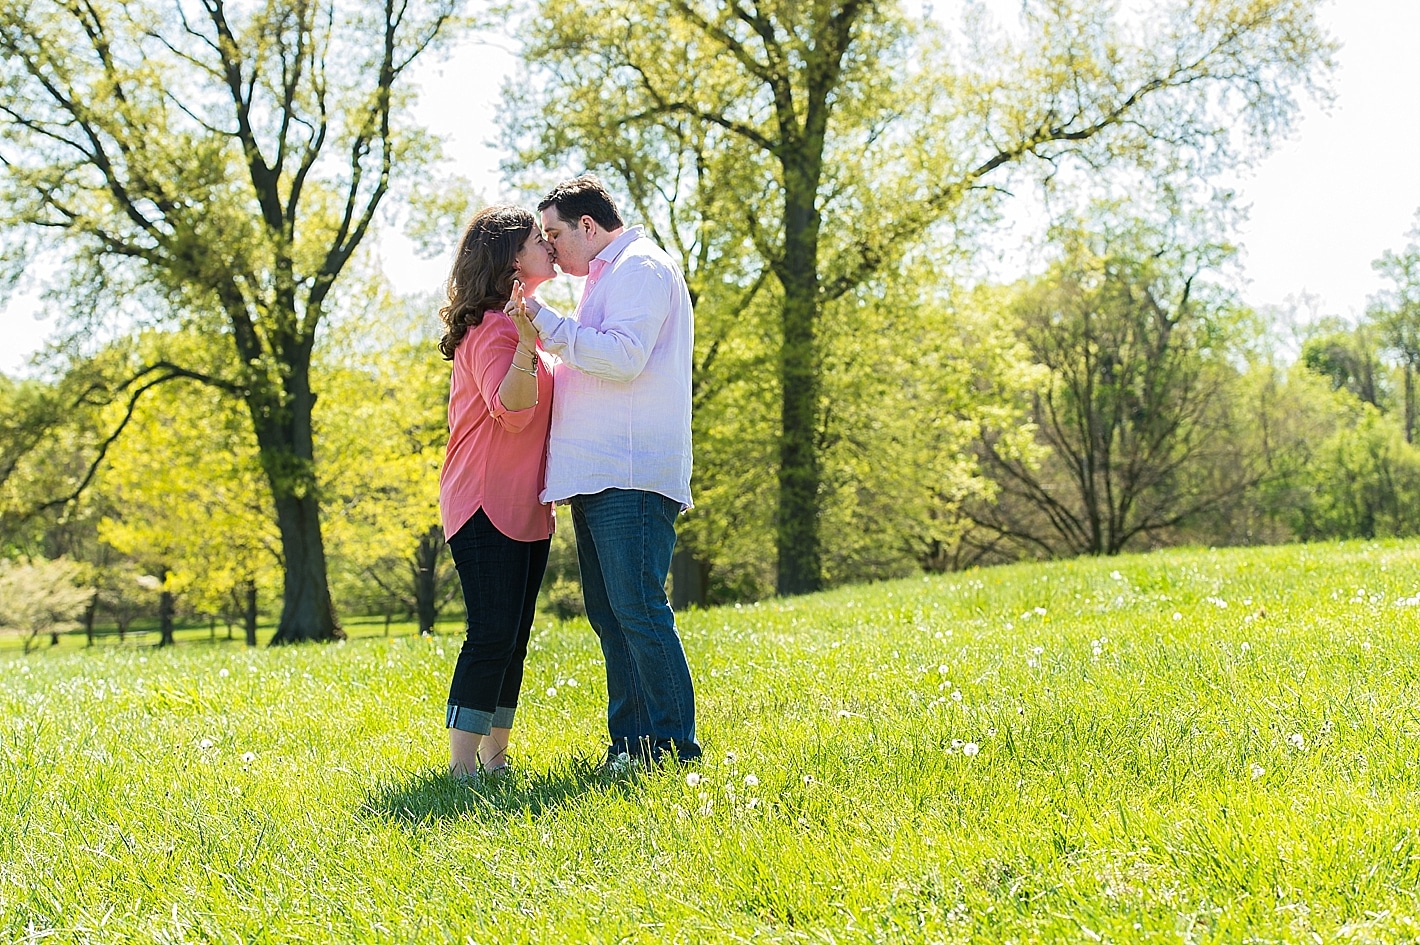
x=637, y=301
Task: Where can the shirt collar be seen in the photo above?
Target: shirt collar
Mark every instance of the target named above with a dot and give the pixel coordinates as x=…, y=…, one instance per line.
x=616, y=246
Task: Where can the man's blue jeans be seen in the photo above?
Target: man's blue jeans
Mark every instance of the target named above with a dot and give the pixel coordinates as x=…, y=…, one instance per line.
x=624, y=542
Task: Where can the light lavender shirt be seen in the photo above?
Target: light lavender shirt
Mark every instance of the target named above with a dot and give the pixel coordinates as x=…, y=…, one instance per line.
x=621, y=408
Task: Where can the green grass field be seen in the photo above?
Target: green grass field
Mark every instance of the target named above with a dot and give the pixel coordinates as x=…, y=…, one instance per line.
x=1192, y=746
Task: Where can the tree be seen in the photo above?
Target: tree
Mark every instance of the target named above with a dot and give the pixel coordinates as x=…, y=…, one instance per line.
x=39, y=596
x=846, y=113
x=1347, y=355
x=1139, y=350
x=385, y=421
x=1396, y=312
x=225, y=162
x=185, y=499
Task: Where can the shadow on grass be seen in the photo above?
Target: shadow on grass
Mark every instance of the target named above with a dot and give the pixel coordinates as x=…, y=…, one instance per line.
x=427, y=798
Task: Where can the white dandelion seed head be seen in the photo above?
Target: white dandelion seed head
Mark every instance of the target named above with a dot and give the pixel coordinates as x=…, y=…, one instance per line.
x=1116, y=575
x=693, y=779
x=1177, y=615
x=1010, y=626
x=1257, y=771
x=551, y=691
x=248, y=757
x=730, y=757
x=957, y=743
x=1040, y=611
x=970, y=749
x=1038, y=650
x=956, y=695
x=223, y=673
x=808, y=779
x=751, y=781
x=1297, y=741
x=1033, y=662
x=943, y=669
x=571, y=684
x=1245, y=646
x=205, y=744
x=439, y=651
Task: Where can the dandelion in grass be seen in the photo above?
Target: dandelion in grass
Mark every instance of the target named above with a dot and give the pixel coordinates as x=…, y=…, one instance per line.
x=223, y=674
x=943, y=670
x=1177, y=615
x=990, y=733
x=971, y=749
x=956, y=695
x=571, y=683
x=551, y=691
x=1297, y=741
x=439, y=651
x=1245, y=646
x=957, y=743
x=1257, y=771
x=205, y=744
x=1038, y=650
x=248, y=757
x=1116, y=575
x=693, y=779
x=751, y=781
x=730, y=758
x=808, y=779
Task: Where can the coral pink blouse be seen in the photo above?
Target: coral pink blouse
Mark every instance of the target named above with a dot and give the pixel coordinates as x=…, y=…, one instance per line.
x=497, y=458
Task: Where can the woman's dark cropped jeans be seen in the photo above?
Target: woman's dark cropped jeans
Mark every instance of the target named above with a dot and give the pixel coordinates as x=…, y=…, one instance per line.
x=500, y=578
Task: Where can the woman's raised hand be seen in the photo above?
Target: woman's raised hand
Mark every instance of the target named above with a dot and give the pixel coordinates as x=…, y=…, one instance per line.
x=517, y=310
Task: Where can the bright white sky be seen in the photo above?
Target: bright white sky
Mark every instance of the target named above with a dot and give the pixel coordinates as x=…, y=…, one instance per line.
x=1331, y=199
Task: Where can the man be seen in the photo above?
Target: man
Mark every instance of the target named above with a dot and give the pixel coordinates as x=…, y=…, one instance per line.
x=620, y=452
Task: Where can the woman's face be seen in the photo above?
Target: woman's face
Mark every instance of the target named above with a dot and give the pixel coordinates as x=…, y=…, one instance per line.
x=534, y=260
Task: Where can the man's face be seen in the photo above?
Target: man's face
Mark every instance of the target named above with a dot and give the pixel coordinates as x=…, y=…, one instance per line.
x=572, y=242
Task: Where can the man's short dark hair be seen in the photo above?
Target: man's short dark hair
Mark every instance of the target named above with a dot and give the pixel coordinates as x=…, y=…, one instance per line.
x=583, y=197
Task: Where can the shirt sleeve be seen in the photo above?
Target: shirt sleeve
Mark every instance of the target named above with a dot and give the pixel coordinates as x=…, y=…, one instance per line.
x=637, y=302
x=492, y=355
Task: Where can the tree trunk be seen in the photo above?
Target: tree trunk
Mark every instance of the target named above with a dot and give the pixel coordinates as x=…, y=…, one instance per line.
x=90, y=612
x=1409, y=402
x=689, y=575
x=283, y=431
x=165, y=613
x=249, y=613
x=800, y=564
x=426, y=572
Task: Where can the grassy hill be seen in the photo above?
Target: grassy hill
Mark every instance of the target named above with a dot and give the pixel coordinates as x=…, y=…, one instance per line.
x=1197, y=746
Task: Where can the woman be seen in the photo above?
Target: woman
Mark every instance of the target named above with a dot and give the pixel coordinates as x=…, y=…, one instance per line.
x=500, y=407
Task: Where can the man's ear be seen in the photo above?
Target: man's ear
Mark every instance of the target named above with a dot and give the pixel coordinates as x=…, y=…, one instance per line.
x=588, y=224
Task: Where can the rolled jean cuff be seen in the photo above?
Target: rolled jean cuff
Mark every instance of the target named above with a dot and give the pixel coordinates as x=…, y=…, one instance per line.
x=469, y=720
x=503, y=718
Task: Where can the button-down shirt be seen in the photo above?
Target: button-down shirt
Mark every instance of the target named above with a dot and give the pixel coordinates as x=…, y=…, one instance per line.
x=621, y=419
x=496, y=456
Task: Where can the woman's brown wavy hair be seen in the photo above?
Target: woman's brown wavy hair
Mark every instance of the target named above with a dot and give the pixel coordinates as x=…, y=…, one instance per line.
x=482, y=277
